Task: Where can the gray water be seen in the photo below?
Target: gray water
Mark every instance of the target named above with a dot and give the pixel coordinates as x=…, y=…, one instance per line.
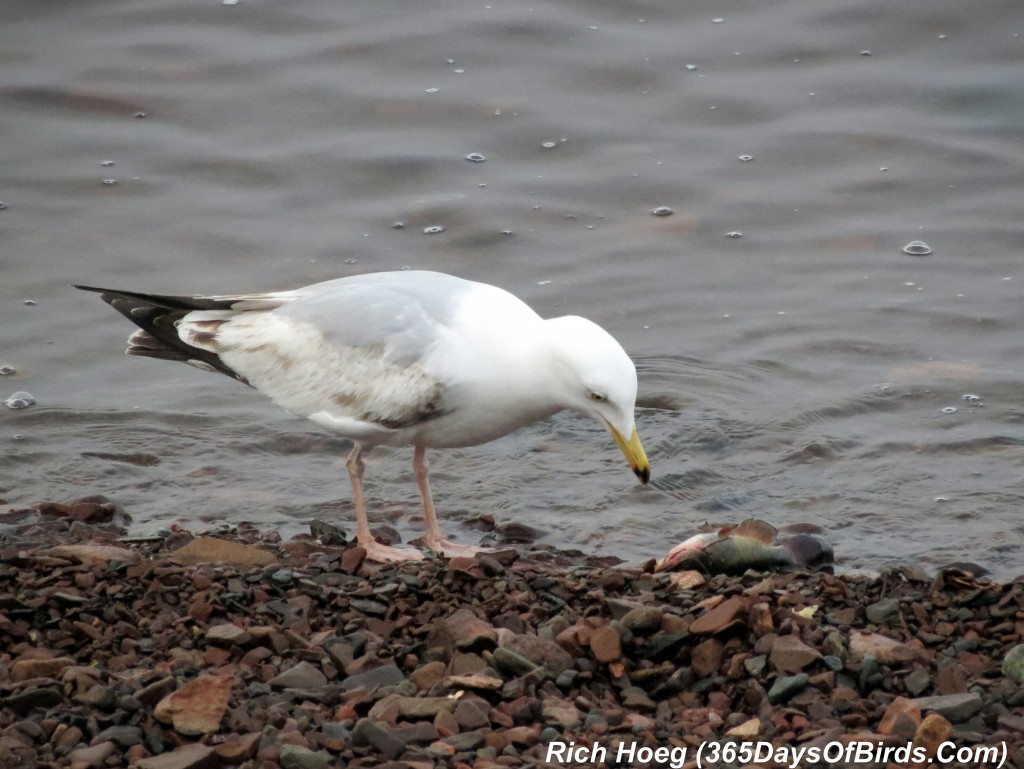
x=803, y=372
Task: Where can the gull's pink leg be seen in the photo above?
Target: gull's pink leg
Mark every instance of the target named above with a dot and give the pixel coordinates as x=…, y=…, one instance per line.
x=433, y=537
x=375, y=551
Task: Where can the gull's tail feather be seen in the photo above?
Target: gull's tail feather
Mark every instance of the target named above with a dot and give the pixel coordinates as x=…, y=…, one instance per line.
x=157, y=318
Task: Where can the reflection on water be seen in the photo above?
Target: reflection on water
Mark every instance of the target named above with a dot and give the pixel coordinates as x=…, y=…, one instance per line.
x=815, y=369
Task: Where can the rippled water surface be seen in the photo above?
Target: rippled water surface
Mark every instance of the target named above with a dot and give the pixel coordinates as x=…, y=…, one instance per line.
x=804, y=368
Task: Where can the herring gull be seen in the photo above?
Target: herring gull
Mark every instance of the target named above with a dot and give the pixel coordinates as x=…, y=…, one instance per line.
x=407, y=358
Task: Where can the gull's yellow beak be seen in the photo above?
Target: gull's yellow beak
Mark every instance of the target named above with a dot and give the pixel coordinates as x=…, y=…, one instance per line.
x=634, y=452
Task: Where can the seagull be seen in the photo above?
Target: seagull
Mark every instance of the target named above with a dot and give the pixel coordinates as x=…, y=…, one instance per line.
x=405, y=358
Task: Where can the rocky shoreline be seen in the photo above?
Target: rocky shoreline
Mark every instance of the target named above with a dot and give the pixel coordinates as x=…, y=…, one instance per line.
x=193, y=652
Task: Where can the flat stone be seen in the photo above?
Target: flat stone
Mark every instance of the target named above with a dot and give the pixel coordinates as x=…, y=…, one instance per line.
x=956, y=708
x=427, y=675
x=239, y=749
x=932, y=732
x=786, y=687
x=196, y=756
x=885, y=650
x=385, y=675
x=791, y=655
x=423, y=707
x=706, y=657
x=747, y=730
x=221, y=552
x=643, y=619
x=470, y=632
x=228, y=633
x=35, y=697
x=508, y=661
x=727, y=614
x=878, y=613
x=197, y=707
x=917, y=680
x=86, y=553
x=547, y=654
x=299, y=757
x=94, y=755
x=122, y=735
x=562, y=712
x=605, y=644
x=1013, y=664
x=23, y=670
x=150, y=695
x=368, y=733
x=300, y=676
x=472, y=713
x=900, y=719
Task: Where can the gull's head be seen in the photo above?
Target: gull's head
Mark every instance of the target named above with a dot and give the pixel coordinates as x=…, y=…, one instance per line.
x=597, y=377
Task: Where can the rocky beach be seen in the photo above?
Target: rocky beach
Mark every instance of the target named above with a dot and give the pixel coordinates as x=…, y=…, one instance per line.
x=193, y=651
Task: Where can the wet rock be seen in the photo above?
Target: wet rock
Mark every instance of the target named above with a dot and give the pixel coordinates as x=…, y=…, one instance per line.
x=197, y=707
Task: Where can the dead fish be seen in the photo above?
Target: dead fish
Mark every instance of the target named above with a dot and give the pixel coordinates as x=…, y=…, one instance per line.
x=752, y=544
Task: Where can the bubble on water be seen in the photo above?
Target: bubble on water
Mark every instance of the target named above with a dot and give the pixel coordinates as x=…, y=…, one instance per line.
x=865, y=53
x=7, y=370
x=549, y=145
x=691, y=67
x=883, y=387
x=433, y=229
x=431, y=90
x=475, y=157
x=19, y=400
x=229, y=2
x=718, y=20
x=110, y=182
x=459, y=71
x=734, y=234
x=3, y=206
x=662, y=211
x=106, y=163
x=917, y=248
x=950, y=410
x=140, y=115
x=940, y=500
x=745, y=158
x=30, y=302
x=507, y=232
x=351, y=261
x=450, y=61
x=398, y=225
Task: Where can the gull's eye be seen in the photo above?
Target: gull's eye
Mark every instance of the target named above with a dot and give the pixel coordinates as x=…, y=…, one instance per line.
x=598, y=397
